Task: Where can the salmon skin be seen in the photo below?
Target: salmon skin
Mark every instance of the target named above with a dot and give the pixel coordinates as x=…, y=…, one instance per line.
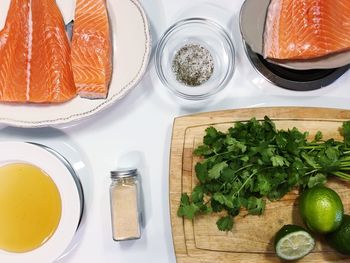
x=306, y=29
x=35, y=54
x=91, y=49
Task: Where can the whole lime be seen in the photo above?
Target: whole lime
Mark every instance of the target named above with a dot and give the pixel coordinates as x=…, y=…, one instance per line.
x=321, y=209
x=340, y=239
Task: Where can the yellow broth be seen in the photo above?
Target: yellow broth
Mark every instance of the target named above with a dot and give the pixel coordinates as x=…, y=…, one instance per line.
x=30, y=207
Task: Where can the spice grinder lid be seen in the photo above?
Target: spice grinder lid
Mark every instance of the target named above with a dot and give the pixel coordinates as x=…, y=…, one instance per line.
x=124, y=173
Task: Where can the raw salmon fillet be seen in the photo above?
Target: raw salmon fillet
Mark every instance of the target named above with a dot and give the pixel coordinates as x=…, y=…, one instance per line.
x=91, y=49
x=306, y=29
x=35, y=54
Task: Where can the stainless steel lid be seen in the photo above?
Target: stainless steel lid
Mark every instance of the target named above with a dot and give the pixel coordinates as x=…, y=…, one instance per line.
x=124, y=173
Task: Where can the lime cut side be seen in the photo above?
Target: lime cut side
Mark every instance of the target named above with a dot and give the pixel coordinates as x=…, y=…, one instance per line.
x=293, y=243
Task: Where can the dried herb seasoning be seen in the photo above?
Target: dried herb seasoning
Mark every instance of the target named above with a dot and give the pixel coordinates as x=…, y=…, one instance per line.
x=193, y=65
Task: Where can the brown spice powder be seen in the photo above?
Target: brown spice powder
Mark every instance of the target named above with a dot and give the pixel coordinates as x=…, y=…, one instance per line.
x=125, y=216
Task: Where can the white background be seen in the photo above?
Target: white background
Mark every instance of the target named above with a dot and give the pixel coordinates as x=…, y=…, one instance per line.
x=142, y=123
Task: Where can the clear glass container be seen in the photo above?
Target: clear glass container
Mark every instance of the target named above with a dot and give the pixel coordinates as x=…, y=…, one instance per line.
x=125, y=205
x=203, y=32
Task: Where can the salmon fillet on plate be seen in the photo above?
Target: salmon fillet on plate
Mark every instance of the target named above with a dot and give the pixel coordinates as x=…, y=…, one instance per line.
x=91, y=49
x=35, y=54
x=306, y=29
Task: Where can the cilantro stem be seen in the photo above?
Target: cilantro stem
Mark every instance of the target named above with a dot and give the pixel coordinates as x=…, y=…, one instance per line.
x=246, y=181
x=312, y=171
x=343, y=164
x=242, y=168
x=312, y=147
x=219, y=154
x=341, y=175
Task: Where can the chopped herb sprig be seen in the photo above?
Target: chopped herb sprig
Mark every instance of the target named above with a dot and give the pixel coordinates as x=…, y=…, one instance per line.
x=253, y=161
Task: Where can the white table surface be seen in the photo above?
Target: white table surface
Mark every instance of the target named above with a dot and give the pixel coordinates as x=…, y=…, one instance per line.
x=142, y=123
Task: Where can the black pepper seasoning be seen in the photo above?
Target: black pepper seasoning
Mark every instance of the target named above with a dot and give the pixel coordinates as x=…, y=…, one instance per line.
x=193, y=65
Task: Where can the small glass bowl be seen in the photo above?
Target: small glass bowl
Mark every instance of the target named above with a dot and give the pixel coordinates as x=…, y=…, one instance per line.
x=206, y=33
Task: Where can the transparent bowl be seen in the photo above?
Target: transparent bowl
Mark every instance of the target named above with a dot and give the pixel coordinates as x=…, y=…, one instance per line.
x=206, y=33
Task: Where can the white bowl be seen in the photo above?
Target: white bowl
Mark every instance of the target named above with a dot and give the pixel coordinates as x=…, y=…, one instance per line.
x=14, y=152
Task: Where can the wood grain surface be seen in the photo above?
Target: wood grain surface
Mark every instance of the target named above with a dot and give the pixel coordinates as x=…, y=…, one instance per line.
x=251, y=239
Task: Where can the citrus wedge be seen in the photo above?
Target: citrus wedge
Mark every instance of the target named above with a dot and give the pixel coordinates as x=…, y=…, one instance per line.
x=293, y=242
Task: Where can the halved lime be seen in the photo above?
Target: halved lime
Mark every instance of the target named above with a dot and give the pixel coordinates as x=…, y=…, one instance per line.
x=293, y=242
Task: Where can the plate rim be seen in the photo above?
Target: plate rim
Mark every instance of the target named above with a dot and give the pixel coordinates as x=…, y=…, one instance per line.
x=75, y=117
x=70, y=216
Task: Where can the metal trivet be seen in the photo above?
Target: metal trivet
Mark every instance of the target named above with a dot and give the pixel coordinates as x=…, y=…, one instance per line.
x=299, y=80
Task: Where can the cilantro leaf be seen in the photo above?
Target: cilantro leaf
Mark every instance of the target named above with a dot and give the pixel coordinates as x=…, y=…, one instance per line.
x=212, y=136
x=293, y=178
x=253, y=161
x=328, y=159
x=225, y=223
x=282, y=140
x=202, y=171
x=310, y=160
x=197, y=194
x=186, y=208
x=227, y=174
x=203, y=150
x=204, y=209
x=278, y=193
x=345, y=132
x=255, y=206
x=216, y=206
x=223, y=200
x=185, y=200
x=188, y=211
x=317, y=179
x=234, y=145
x=263, y=184
x=318, y=136
x=279, y=161
x=269, y=125
x=296, y=139
x=215, y=171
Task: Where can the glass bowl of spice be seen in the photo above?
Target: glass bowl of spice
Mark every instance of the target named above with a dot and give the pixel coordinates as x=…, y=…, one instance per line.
x=195, y=58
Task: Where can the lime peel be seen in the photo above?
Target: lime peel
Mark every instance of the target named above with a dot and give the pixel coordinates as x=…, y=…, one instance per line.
x=321, y=209
x=340, y=239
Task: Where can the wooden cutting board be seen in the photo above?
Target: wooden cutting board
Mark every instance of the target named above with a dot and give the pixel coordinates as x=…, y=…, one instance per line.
x=251, y=239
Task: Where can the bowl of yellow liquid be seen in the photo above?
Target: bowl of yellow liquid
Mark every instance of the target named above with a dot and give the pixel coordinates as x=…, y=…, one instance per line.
x=39, y=202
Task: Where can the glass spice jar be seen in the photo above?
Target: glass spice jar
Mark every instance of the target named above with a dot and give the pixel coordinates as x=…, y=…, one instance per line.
x=125, y=205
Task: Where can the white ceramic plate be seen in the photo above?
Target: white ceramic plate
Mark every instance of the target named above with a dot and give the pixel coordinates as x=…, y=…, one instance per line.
x=70, y=216
x=252, y=24
x=63, y=145
x=131, y=47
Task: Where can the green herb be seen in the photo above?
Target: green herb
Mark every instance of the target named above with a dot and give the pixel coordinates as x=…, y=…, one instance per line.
x=253, y=161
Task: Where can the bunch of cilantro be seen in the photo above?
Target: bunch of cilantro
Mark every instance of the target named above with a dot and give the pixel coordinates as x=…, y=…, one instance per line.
x=253, y=161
